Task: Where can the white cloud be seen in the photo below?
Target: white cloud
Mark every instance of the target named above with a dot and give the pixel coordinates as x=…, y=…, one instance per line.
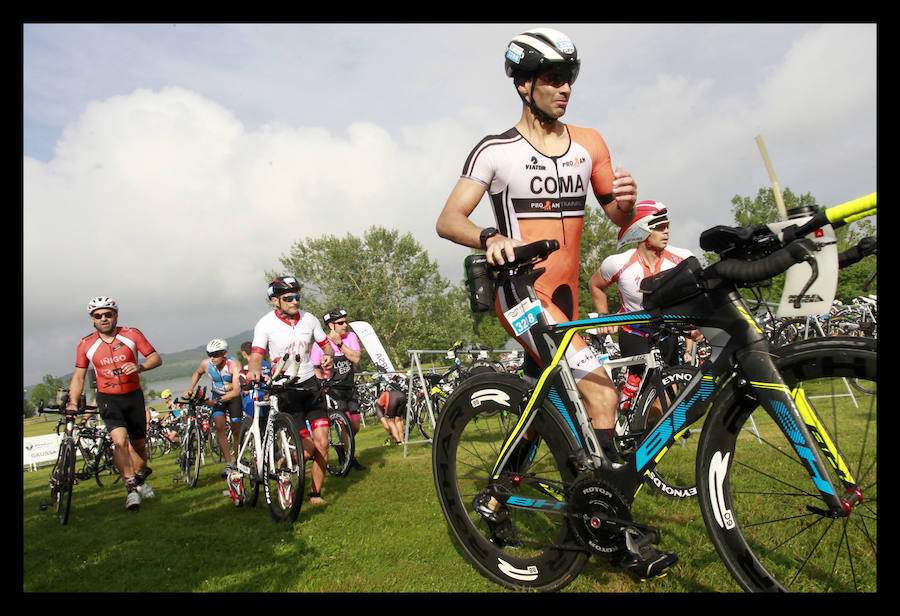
x=178, y=180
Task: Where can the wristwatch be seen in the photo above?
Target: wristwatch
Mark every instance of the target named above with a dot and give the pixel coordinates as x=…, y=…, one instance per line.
x=486, y=233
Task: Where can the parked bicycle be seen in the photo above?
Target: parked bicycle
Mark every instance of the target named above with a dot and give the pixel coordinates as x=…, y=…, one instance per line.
x=62, y=476
x=190, y=437
x=96, y=448
x=531, y=521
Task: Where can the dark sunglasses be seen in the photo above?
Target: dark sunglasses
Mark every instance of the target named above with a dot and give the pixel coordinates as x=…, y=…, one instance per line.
x=559, y=76
x=103, y=315
x=217, y=354
x=340, y=322
x=290, y=298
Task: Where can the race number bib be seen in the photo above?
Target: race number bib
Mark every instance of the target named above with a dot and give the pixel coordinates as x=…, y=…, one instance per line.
x=523, y=316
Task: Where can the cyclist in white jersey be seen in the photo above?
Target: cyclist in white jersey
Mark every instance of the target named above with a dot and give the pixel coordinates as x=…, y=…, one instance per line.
x=626, y=270
x=289, y=332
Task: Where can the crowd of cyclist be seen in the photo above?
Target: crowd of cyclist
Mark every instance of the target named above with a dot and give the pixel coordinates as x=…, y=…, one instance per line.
x=320, y=363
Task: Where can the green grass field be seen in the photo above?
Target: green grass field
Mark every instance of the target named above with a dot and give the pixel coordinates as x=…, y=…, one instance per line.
x=382, y=531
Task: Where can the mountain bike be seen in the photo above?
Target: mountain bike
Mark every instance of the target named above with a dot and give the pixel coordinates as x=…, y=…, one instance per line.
x=62, y=477
x=789, y=510
x=191, y=439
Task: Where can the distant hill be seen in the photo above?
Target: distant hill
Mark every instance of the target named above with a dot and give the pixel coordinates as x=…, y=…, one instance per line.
x=183, y=363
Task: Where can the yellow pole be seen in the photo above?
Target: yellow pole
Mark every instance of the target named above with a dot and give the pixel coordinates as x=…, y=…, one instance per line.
x=779, y=201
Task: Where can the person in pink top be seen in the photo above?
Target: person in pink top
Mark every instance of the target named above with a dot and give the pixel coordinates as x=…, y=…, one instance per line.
x=347, y=353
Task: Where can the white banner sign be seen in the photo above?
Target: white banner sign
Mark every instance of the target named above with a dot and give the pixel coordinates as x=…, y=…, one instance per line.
x=37, y=449
x=373, y=345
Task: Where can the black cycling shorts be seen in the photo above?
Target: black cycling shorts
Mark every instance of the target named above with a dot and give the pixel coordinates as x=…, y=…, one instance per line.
x=124, y=411
x=235, y=408
x=346, y=400
x=308, y=404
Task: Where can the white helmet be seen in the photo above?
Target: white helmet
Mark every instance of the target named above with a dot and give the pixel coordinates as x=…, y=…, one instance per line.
x=102, y=302
x=647, y=214
x=215, y=345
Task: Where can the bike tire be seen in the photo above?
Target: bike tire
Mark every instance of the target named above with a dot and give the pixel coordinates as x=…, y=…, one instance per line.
x=341, y=444
x=192, y=455
x=64, y=479
x=756, y=506
x=284, y=474
x=469, y=433
x=249, y=458
x=106, y=467
x=676, y=480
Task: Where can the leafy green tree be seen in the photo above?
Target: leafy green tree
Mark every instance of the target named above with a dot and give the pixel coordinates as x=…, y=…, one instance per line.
x=386, y=279
x=598, y=241
x=46, y=390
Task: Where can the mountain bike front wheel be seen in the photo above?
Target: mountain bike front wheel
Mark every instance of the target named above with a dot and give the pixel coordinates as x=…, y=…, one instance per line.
x=529, y=543
x=762, y=511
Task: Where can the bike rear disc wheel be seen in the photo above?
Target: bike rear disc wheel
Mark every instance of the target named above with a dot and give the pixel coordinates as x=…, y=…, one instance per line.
x=283, y=473
x=469, y=434
x=341, y=444
x=761, y=509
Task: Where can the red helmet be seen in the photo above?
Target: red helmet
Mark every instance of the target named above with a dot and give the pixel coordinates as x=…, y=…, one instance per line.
x=647, y=214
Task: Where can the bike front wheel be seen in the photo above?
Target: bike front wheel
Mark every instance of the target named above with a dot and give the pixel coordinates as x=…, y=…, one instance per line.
x=61, y=481
x=249, y=458
x=341, y=444
x=529, y=547
x=762, y=511
x=283, y=473
x=191, y=455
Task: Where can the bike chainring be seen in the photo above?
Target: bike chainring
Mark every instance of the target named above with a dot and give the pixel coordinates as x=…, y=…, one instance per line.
x=598, y=515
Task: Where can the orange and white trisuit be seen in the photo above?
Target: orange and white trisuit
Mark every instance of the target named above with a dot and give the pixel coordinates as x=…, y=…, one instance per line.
x=538, y=197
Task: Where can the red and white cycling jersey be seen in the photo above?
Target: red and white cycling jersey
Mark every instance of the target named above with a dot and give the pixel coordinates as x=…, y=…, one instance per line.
x=279, y=335
x=629, y=268
x=107, y=359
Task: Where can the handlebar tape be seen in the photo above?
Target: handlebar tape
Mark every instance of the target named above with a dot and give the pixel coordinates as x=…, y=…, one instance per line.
x=852, y=208
x=864, y=248
x=765, y=268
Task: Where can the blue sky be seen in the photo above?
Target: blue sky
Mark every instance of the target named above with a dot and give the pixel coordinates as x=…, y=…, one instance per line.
x=176, y=162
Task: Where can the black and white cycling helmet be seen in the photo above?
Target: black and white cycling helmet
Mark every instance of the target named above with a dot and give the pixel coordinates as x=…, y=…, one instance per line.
x=102, y=302
x=538, y=50
x=334, y=313
x=282, y=285
x=216, y=345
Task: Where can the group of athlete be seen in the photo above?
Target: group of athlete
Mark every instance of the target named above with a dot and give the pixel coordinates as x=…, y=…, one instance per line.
x=291, y=337
x=537, y=176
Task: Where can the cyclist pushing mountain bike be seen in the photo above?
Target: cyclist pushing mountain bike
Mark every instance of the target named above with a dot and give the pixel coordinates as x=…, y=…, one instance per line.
x=538, y=175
